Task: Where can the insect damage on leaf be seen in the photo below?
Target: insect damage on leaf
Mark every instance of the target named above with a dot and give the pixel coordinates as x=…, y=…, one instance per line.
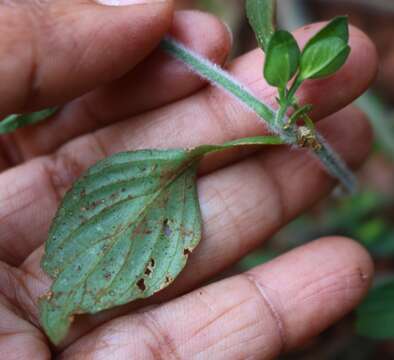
x=123, y=232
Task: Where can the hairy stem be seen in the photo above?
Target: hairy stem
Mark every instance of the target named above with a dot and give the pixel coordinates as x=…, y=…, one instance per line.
x=217, y=76
x=333, y=163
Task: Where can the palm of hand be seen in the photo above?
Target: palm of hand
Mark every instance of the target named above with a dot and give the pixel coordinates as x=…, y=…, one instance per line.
x=245, y=197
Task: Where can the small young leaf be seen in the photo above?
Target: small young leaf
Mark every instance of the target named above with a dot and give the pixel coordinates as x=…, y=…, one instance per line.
x=261, y=15
x=327, y=51
x=375, y=316
x=282, y=59
x=14, y=122
x=123, y=232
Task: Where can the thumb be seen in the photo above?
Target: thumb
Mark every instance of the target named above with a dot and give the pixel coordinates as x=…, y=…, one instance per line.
x=52, y=51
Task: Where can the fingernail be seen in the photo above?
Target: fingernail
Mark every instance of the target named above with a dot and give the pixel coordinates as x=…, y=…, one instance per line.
x=127, y=2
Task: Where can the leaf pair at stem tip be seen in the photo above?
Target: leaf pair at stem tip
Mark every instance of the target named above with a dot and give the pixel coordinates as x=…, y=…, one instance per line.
x=323, y=55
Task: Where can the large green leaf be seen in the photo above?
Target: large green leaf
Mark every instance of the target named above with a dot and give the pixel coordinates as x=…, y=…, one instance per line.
x=375, y=316
x=282, y=59
x=327, y=51
x=16, y=121
x=261, y=15
x=123, y=232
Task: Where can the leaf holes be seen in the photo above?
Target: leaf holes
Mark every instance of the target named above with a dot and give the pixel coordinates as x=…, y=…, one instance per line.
x=141, y=285
x=150, y=267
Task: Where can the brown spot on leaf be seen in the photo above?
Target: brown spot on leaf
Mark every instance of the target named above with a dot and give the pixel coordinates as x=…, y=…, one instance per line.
x=139, y=230
x=114, y=195
x=187, y=252
x=166, y=228
x=141, y=284
x=48, y=296
x=107, y=276
x=95, y=203
x=105, y=248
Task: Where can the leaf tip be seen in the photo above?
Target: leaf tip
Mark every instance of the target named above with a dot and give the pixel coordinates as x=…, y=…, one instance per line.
x=55, y=327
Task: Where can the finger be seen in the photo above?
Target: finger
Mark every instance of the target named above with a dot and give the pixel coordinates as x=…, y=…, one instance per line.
x=239, y=212
x=55, y=50
x=18, y=337
x=219, y=117
x=260, y=314
x=138, y=91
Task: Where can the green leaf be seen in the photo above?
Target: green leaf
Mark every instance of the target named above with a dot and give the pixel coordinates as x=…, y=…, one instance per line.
x=282, y=59
x=261, y=15
x=327, y=51
x=375, y=316
x=14, y=122
x=124, y=232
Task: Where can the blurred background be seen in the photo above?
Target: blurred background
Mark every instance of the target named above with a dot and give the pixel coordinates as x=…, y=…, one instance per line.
x=368, y=333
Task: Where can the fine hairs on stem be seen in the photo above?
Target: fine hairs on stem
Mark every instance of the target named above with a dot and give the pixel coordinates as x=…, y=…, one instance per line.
x=332, y=162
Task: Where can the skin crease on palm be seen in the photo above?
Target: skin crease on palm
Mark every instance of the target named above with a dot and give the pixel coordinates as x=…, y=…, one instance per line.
x=53, y=52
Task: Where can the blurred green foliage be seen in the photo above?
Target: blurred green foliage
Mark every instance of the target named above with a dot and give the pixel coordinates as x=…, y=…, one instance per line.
x=375, y=316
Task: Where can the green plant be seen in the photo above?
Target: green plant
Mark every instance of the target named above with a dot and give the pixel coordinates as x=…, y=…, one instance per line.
x=375, y=316
x=126, y=228
x=16, y=121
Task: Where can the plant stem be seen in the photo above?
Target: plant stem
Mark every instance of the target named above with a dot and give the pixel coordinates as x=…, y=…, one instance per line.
x=286, y=100
x=335, y=166
x=219, y=77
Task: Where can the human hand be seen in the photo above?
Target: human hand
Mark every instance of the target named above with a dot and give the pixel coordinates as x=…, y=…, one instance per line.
x=245, y=196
